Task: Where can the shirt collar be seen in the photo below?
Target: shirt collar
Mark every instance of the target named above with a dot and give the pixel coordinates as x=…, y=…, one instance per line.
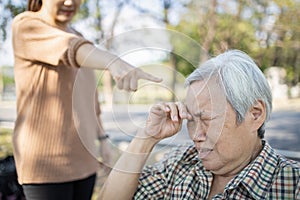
x=257, y=176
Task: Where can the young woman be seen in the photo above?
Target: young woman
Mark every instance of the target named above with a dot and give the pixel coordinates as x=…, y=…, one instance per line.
x=53, y=148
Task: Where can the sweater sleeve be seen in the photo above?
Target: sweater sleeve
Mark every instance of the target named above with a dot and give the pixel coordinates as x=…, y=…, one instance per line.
x=36, y=41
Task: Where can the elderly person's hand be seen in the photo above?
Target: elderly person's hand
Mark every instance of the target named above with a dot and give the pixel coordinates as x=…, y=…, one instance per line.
x=165, y=119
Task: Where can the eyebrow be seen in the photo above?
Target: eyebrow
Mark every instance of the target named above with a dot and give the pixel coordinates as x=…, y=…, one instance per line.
x=199, y=113
x=205, y=114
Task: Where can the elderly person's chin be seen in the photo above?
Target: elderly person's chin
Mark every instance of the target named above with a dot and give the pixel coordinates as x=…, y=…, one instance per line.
x=219, y=164
x=210, y=160
x=215, y=165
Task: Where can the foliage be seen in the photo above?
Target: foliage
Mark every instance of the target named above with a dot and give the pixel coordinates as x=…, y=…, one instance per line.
x=7, y=75
x=287, y=46
x=9, y=9
x=5, y=142
x=269, y=30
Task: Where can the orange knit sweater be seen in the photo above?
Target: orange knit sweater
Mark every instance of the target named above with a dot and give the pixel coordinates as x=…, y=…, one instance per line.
x=57, y=123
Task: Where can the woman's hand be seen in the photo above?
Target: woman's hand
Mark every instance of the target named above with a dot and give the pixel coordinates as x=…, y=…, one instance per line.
x=127, y=76
x=165, y=119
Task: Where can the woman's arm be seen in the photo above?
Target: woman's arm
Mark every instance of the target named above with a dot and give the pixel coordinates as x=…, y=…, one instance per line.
x=124, y=74
x=36, y=41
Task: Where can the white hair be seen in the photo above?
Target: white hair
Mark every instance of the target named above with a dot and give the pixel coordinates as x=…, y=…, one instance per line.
x=244, y=83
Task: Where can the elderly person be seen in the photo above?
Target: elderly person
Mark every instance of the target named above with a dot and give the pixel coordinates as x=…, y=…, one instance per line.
x=227, y=105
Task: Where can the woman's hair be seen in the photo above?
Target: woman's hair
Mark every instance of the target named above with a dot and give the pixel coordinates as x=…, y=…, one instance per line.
x=243, y=82
x=34, y=5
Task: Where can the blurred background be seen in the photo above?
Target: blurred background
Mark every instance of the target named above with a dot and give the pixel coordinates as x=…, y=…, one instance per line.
x=268, y=30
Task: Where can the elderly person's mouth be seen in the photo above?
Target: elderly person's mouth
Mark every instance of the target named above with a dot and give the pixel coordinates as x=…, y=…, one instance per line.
x=204, y=152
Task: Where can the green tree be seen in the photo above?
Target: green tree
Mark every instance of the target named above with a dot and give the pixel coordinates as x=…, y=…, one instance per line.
x=267, y=30
x=1, y=85
x=9, y=9
x=216, y=28
x=287, y=44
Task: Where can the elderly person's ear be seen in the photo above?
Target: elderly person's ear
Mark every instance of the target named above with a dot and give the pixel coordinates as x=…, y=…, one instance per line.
x=258, y=114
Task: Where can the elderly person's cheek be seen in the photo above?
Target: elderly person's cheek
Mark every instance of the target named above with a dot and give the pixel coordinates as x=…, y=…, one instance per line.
x=214, y=131
x=197, y=131
x=191, y=128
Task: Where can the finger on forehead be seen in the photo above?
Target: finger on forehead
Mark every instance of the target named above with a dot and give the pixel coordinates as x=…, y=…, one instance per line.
x=174, y=114
x=181, y=106
x=173, y=108
x=183, y=111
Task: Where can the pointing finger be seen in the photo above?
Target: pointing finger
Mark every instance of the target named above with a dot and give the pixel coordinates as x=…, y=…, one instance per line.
x=133, y=84
x=183, y=113
x=149, y=77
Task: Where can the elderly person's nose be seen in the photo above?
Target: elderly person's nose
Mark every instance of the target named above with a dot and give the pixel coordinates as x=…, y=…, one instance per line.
x=200, y=134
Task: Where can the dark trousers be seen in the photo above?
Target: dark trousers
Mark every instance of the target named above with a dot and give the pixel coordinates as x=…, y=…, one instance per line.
x=75, y=190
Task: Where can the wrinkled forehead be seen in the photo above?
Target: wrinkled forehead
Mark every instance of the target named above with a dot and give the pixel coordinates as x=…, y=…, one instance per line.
x=207, y=94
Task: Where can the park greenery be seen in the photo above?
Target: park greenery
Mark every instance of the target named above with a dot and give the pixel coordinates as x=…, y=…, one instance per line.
x=268, y=30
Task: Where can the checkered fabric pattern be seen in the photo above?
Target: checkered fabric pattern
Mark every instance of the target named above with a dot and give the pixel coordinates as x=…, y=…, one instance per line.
x=181, y=175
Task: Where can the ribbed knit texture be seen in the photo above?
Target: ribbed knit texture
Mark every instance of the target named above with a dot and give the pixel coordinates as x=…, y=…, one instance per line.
x=47, y=146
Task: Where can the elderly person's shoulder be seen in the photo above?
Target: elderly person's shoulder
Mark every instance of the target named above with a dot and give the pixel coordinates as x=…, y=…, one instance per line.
x=286, y=178
x=283, y=173
x=278, y=161
x=285, y=164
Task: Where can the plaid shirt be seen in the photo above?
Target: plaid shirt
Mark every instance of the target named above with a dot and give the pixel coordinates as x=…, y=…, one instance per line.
x=181, y=175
